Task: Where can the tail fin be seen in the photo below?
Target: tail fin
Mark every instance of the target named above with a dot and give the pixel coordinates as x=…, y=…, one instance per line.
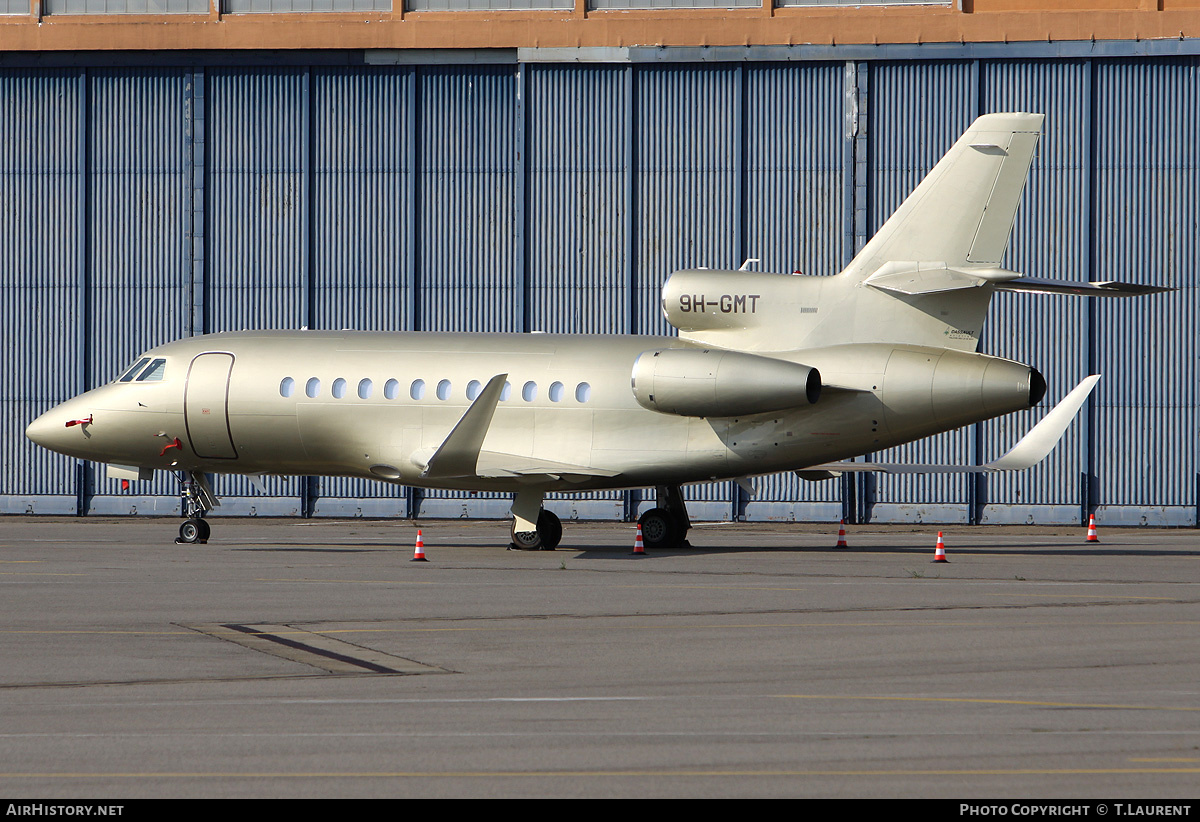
x=925, y=279
x=962, y=212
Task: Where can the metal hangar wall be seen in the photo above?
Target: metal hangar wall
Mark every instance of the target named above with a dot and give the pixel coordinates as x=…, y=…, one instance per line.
x=152, y=196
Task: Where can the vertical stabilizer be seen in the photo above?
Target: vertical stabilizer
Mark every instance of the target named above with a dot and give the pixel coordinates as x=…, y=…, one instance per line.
x=962, y=212
x=925, y=278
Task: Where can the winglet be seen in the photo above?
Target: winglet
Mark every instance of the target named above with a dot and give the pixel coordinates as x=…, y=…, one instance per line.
x=458, y=454
x=1041, y=439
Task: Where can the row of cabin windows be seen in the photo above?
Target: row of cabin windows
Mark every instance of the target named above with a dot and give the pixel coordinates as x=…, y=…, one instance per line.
x=417, y=390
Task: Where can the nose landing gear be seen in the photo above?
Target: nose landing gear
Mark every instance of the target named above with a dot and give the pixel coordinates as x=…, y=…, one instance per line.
x=197, y=498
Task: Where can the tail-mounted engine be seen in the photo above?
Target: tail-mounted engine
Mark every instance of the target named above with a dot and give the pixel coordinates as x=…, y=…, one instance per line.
x=695, y=382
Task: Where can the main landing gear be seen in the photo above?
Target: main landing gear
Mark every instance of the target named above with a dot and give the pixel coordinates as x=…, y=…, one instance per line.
x=197, y=498
x=533, y=528
x=545, y=538
x=667, y=525
x=536, y=529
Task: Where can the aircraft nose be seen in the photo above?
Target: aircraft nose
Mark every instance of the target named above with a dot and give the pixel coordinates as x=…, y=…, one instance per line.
x=39, y=429
x=59, y=428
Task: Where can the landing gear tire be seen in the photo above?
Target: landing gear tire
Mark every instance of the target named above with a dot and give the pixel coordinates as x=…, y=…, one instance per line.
x=661, y=530
x=550, y=529
x=545, y=538
x=194, y=530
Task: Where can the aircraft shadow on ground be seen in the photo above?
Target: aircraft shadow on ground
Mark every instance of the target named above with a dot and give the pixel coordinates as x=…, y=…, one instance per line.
x=975, y=550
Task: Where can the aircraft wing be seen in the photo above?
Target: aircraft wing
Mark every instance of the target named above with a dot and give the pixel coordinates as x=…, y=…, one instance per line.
x=459, y=452
x=1029, y=451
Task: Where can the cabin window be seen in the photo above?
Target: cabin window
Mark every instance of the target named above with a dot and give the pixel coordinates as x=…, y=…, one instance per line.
x=391, y=389
x=556, y=392
x=133, y=370
x=339, y=388
x=506, y=391
x=473, y=389
x=154, y=371
x=364, y=389
x=583, y=392
x=529, y=391
x=443, y=390
x=312, y=388
x=287, y=387
x=417, y=391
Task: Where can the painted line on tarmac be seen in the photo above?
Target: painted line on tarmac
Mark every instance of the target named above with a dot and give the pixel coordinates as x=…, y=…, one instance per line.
x=993, y=701
x=1074, y=596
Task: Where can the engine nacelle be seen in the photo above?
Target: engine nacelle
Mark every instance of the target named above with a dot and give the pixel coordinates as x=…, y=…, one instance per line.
x=954, y=388
x=696, y=382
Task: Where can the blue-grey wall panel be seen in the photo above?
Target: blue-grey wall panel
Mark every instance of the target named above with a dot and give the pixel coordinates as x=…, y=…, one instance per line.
x=795, y=132
x=467, y=258
x=124, y=7
x=41, y=279
x=285, y=6
x=257, y=199
x=578, y=174
x=481, y=5
x=1147, y=182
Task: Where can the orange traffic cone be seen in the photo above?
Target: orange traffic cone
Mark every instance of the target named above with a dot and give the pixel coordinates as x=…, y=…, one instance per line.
x=1092, y=537
x=419, y=553
x=639, y=550
x=939, y=553
x=842, y=536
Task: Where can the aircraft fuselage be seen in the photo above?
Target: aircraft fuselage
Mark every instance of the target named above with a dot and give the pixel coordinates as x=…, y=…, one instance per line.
x=377, y=405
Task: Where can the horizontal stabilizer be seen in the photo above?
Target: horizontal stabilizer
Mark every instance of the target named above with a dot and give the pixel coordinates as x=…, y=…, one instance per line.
x=1040, y=285
x=1032, y=448
x=932, y=278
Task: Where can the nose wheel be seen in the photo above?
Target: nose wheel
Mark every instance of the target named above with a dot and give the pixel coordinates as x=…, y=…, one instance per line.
x=194, y=530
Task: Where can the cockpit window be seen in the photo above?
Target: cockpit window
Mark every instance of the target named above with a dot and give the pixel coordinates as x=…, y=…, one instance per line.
x=133, y=370
x=154, y=371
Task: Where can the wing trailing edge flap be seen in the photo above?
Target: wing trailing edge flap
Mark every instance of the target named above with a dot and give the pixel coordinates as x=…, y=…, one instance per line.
x=1028, y=452
x=461, y=454
x=493, y=464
